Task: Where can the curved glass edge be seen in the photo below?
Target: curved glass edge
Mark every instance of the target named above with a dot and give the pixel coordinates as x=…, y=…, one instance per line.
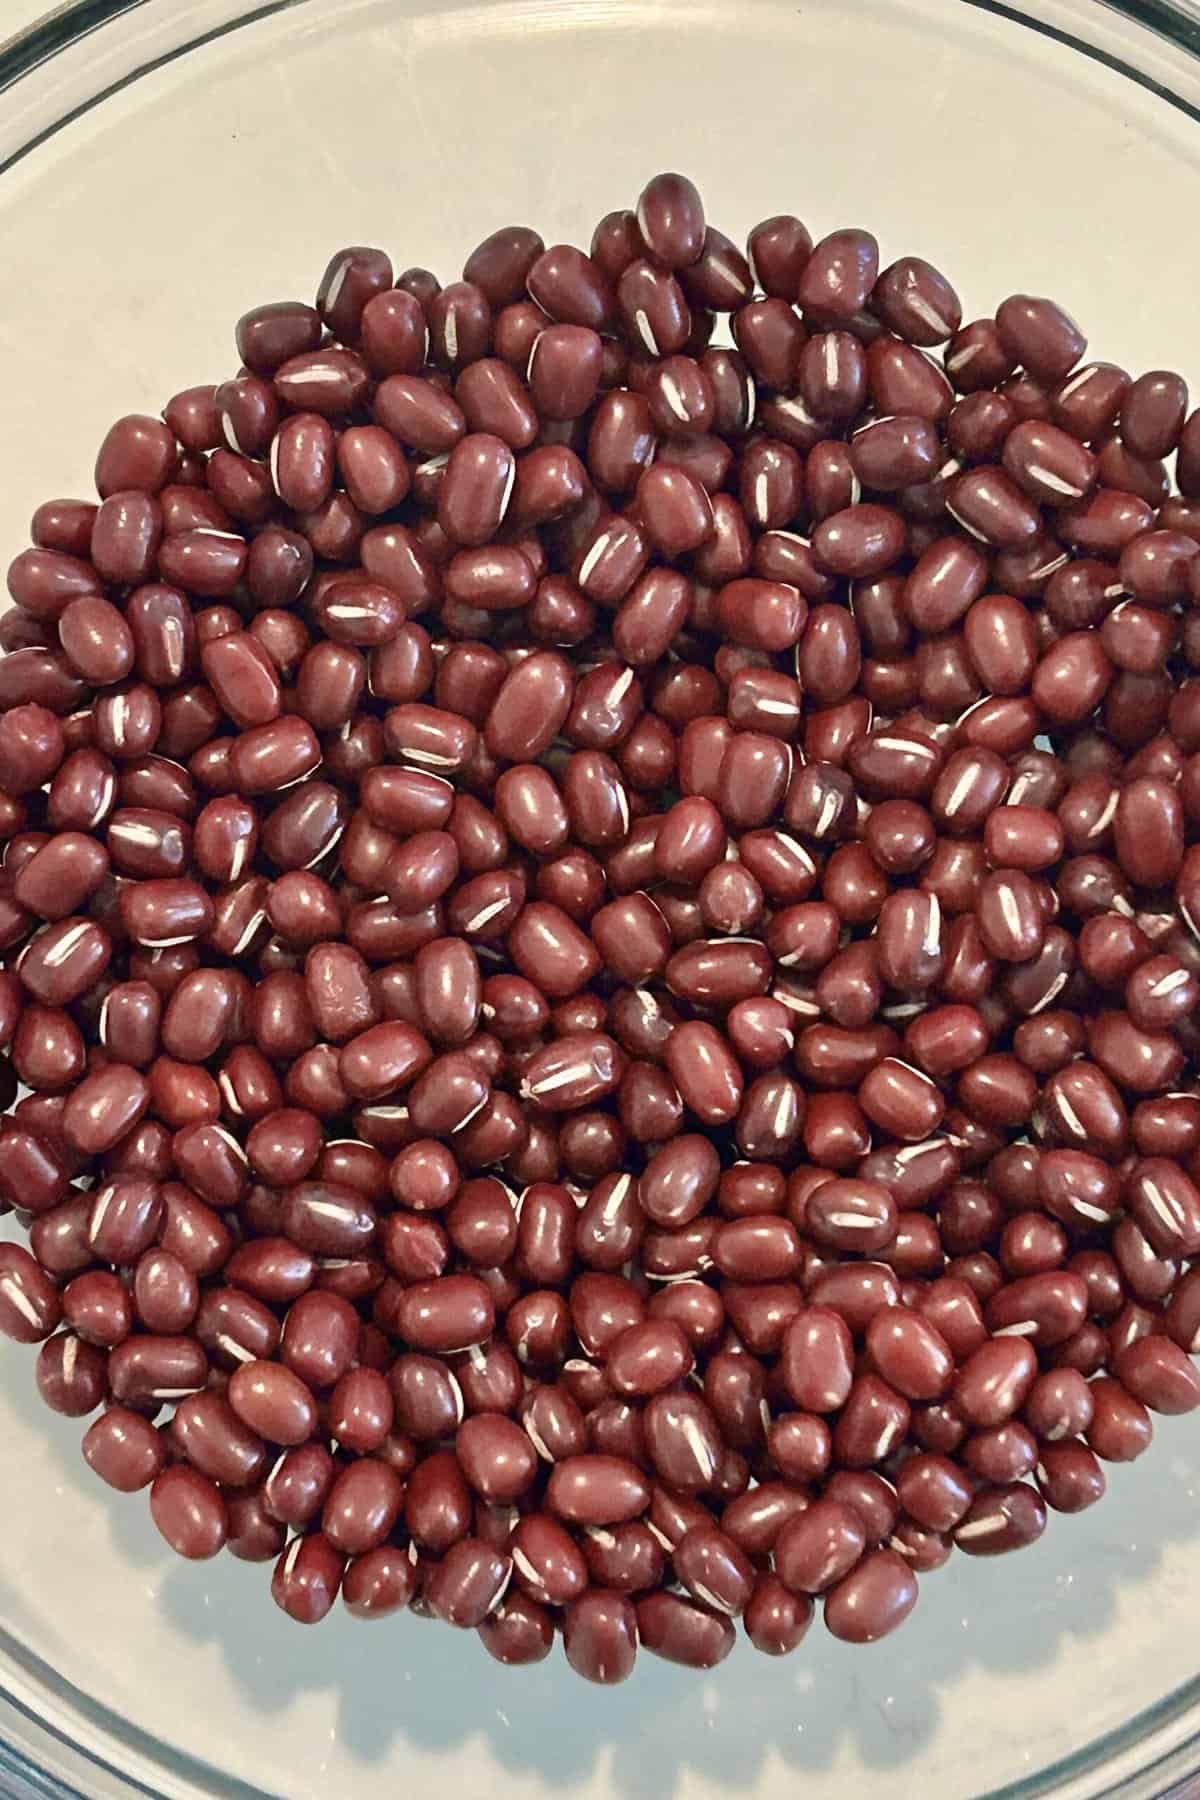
x=21, y=1781
x=1171, y=1775
x=1177, y=19
x=23, y=1733
x=44, y=1761
x=70, y=26
x=1176, y=22
x=38, y=42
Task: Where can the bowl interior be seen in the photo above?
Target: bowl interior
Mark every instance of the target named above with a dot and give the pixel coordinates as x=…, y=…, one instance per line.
x=136, y=234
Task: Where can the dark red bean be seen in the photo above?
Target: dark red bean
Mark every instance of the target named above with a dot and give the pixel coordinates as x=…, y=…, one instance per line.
x=838, y=275
x=29, y=1302
x=1158, y=1373
x=1001, y=1519
x=379, y=1582
x=71, y=1375
x=600, y=1634
x=1166, y=1205
x=873, y=1599
x=214, y=1441
x=189, y=1511
x=597, y=1490
x=569, y=286
x=993, y=1383
x=273, y=1402
x=818, y=1548
x=307, y=1577
x=469, y=1583
x=672, y=1628
x=776, y=1620
x=496, y=1457
x=124, y=1449
x=1039, y=335
x=910, y=1353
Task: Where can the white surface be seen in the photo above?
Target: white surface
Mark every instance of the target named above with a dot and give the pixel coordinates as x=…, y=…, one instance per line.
x=132, y=241
x=21, y=13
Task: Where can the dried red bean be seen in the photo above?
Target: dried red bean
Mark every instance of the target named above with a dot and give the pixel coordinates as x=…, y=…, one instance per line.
x=306, y=1578
x=189, y=1511
x=873, y=1599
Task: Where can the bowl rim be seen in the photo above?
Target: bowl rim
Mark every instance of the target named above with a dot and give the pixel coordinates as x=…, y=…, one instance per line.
x=25, y=1733
x=1176, y=22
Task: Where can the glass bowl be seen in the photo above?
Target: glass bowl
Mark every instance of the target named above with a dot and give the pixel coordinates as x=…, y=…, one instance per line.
x=164, y=166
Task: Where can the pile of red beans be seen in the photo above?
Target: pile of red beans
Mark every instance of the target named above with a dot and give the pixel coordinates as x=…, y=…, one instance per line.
x=599, y=912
